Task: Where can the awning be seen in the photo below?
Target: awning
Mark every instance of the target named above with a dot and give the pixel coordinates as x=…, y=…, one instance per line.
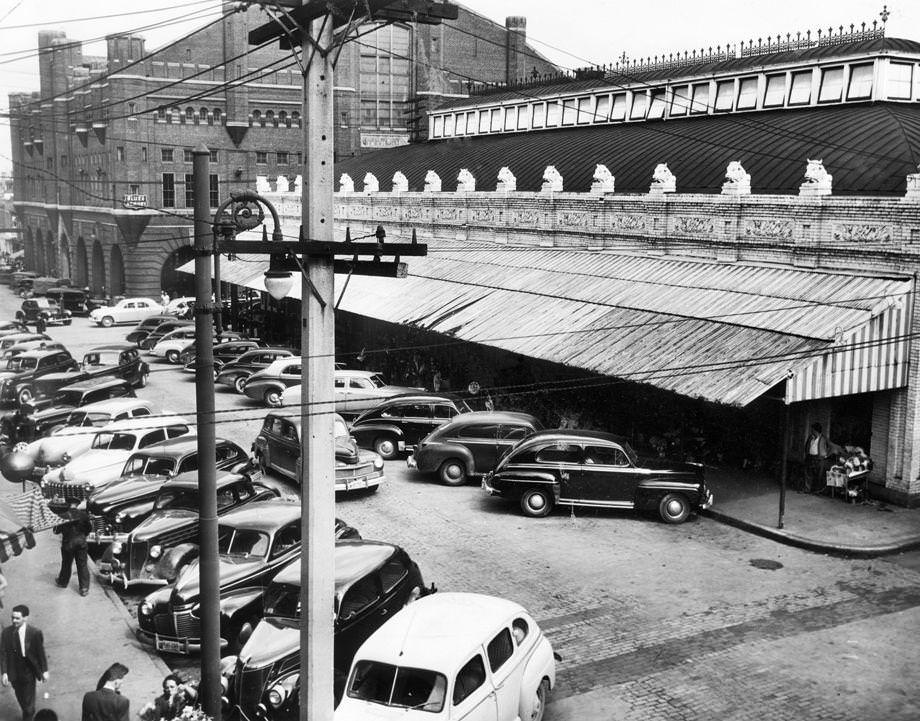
x=723, y=332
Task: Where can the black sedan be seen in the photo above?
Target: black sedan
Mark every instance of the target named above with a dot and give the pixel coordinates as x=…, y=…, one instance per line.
x=471, y=444
x=598, y=470
x=235, y=373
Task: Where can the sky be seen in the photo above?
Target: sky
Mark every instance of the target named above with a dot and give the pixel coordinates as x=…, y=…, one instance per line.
x=571, y=33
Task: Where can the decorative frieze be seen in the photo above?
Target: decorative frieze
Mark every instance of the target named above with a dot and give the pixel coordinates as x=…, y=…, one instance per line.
x=572, y=219
x=769, y=229
x=690, y=225
x=629, y=223
x=862, y=233
x=482, y=216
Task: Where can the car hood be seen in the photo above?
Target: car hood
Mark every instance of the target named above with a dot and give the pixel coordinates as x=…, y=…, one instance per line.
x=51, y=412
x=272, y=639
x=163, y=522
x=356, y=710
x=663, y=464
x=126, y=489
x=188, y=587
x=50, y=449
x=5, y=375
x=96, y=465
x=171, y=345
x=346, y=450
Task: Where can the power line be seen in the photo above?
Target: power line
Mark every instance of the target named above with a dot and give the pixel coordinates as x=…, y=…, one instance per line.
x=66, y=21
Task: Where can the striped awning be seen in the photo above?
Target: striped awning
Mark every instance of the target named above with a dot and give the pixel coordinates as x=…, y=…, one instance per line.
x=723, y=332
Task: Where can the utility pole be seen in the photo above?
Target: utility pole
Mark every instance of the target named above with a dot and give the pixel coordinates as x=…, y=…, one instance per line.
x=210, y=690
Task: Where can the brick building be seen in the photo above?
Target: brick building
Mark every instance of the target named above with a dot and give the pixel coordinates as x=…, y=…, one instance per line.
x=102, y=151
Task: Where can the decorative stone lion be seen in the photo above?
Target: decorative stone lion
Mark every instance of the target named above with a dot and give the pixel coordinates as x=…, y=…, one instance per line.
x=466, y=183
x=603, y=180
x=432, y=182
x=506, y=180
x=663, y=180
x=552, y=180
x=737, y=180
x=371, y=184
x=817, y=180
x=400, y=182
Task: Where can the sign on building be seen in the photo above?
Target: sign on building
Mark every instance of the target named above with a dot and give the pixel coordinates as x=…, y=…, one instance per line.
x=133, y=201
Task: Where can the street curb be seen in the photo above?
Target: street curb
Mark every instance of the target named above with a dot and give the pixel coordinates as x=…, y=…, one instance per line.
x=808, y=544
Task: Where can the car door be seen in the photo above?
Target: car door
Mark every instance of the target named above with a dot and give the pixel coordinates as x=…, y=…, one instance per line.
x=287, y=444
x=482, y=441
x=360, y=612
x=361, y=394
x=506, y=669
x=508, y=435
x=417, y=421
x=141, y=309
x=607, y=475
x=340, y=390
x=564, y=460
x=290, y=375
x=472, y=695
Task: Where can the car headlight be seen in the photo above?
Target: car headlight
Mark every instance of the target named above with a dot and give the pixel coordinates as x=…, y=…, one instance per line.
x=66, y=458
x=117, y=548
x=145, y=608
x=88, y=488
x=378, y=463
x=67, y=314
x=156, y=551
x=120, y=516
x=195, y=610
x=282, y=689
x=227, y=665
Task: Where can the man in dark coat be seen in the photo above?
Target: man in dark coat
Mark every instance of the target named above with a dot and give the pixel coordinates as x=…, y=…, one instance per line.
x=22, y=659
x=73, y=533
x=106, y=703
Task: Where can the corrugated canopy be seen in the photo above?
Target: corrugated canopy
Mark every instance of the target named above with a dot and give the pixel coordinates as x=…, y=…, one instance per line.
x=717, y=331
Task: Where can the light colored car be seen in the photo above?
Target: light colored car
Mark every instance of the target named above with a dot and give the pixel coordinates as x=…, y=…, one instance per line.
x=76, y=433
x=127, y=310
x=170, y=346
x=355, y=391
x=452, y=656
x=179, y=306
x=103, y=462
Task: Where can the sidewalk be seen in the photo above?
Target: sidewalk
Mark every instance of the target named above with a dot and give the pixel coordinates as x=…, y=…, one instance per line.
x=817, y=523
x=83, y=636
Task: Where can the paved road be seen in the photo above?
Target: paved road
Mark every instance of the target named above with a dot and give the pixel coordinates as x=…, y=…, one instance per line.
x=698, y=621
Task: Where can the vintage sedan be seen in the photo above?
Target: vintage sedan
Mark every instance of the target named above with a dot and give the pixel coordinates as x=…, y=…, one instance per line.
x=17, y=381
x=106, y=457
x=179, y=306
x=268, y=384
x=373, y=580
x=452, y=656
x=235, y=373
x=79, y=429
x=52, y=412
x=27, y=345
x=600, y=470
x=43, y=312
x=112, y=360
x=184, y=329
x=123, y=504
x=398, y=424
x=166, y=540
x=70, y=299
x=142, y=329
x=12, y=339
x=127, y=310
x=8, y=327
x=471, y=444
x=355, y=391
x=253, y=544
x=225, y=349
x=170, y=345
x=278, y=447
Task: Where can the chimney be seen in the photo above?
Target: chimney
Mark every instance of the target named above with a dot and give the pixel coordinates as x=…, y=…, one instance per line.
x=515, y=48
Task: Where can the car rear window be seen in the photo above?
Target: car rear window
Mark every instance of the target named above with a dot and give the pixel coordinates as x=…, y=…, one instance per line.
x=477, y=431
x=471, y=677
x=500, y=649
x=559, y=453
x=392, y=573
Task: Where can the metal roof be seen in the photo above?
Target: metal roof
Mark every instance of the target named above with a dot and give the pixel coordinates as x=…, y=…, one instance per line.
x=868, y=148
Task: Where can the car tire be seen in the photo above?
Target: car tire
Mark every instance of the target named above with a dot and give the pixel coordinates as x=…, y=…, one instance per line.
x=142, y=383
x=239, y=384
x=536, y=502
x=386, y=447
x=452, y=472
x=539, y=705
x=172, y=356
x=24, y=396
x=107, y=321
x=272, y=398
x=674, y=508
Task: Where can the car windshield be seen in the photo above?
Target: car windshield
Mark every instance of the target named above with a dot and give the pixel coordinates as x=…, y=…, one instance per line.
x=377, y=381
x=398, y=686
x=182, y=498
x=101, y=358
x=19, y=363
x=147, y=465
x=115, y=441
x=630, y=453
x=241, y=542
x=68, y=398
x=339, y=429
x=282, y=600
x=82, y=418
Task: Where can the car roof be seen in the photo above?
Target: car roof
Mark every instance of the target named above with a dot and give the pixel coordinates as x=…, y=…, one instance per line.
x=347, y=372
x=113, y=405
x=93, y=383
x=265, y=516
x=480, y=417
x=189, y=479
x=427, y=397
x=282, y=362
x=177, y=446
x=146, y=422
x=36, y=344
x=294, y=416
x=137, y=298
x=122, y=345
x=39, y=353
x=439, y=632
x=272, y=349
x=353, y=560
x=575, y=434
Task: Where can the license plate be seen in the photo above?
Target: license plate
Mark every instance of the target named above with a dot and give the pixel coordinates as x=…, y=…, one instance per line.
x=170, y=646
x=357, y=483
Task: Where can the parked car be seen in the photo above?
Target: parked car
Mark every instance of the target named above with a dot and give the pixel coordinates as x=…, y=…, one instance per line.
x=41, y=284
x=165, y=328
x=52, y=412
x=166, y=540
x=225, y=350
x=70, y=299
x=452, y=656
x=235, y=373
x=398, y=424
x=179, y=306
x=267, y=384
x=75, y=434
x=12, y=326
x=278, y=447
x=355, y=391
x=17, y=380
x=373, y=580
x=253, y=544
x=471, y=444
x=27, y=345
x=142, y=329
x=13, y=339
x=114, y=360
x=589, y=468
x=123, y=504
x=127, y=310
x=106, y=457
x=43, y=312
x=19, y=276
x=170, y=345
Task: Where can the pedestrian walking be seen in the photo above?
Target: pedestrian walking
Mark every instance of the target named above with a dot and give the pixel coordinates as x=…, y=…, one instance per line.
x=164, y=298
x=22, y=659
x=817, y=449
x=106, y=703
x=73, y=532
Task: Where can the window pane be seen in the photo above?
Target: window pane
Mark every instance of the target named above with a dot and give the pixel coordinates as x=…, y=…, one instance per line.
x=899, y=80
x=471, y=677
x=639, y=104
x=461, y=123
x=448, y=125
x=725, y=92
x=523, y=119
x=539, y=115
x=438, y=126
x=568, y=112
x=860, y=82
x=602, y=109
x=500, y=649
x=681, y=101
x=619, y=107
x=552, y=114
x=495, y=122
x=510, y=118
x=776, y=91
x=801, y=88
x=656, y=109
x=831, y=85
x=584, y=110
x=700, y=103
x=747, y=94
x=483, y=121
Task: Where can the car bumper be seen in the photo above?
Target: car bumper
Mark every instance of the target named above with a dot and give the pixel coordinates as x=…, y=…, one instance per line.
x=707, y=501
x=487, y=485
x=358, y=484
x=173, y=644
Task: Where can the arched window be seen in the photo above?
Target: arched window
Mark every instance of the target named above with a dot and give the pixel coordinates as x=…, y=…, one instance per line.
x=203, y=116
x=256, y=118
x=270, y=118
x=283, y=119
x=190, y=115
x=161, y=115
x=174, y=115
x=295, y=118
x=217, y=116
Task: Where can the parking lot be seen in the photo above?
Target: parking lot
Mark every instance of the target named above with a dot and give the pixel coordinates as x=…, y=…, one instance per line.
x=652, y=621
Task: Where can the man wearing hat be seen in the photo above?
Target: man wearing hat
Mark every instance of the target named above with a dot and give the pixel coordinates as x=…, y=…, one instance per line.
x=106, y=703
x=74, y=531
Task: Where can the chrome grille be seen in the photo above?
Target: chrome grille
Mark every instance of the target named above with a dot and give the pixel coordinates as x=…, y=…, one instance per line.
x=358, y=470
x=249, y=685
x=62, y=489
